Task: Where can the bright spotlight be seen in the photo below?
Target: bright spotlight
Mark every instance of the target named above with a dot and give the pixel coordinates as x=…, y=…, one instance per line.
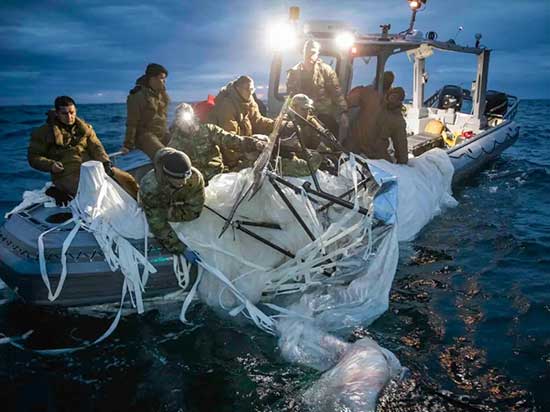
x=282, y=36
x=416, y=4
x=344, y=40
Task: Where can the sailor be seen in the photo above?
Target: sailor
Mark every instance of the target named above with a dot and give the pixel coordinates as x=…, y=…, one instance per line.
x=172, y=192
x=209, y=144
x=236, y=111
x=370, y=102
x=306, y=141
x=302, y=111
x=65, y=142
x=147, y=109
x=390, y=125
x=316, y=79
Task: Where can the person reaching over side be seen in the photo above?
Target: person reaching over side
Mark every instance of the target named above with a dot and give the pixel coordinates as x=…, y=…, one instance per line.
x=209, y=144
x=172, y=192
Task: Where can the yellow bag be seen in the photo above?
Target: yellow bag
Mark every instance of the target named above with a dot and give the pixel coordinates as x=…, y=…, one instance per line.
x=434, y=127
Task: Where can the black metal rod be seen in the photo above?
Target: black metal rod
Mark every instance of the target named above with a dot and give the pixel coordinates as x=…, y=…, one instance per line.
x=291, y=207
x=266, y=225
x=332, y=198
x=265, y=241
x=261, y=239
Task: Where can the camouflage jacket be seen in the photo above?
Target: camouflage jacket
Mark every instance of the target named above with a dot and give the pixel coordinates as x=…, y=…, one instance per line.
x=390, y=124
x=147, y=113
x=70, y=145
x=205, y=147
x=233, y=114
x=163, y=203
x=323, y=87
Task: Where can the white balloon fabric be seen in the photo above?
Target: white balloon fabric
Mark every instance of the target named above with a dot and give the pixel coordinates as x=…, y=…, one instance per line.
x=424, y=189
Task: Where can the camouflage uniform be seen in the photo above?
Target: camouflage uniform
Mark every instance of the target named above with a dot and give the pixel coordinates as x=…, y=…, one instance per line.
x=163, y=203
x=235, y=115
x=146, y=123
x=390, y=124
x=71, y=145
x=207, y=148
x=321, y=85
x=298, y=167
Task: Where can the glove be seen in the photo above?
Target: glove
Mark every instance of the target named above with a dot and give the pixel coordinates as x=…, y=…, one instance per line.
x=61, y=198
x=191, y=256
x=108, y=166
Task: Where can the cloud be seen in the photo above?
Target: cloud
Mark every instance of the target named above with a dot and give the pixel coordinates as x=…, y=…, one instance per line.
x=93, y=47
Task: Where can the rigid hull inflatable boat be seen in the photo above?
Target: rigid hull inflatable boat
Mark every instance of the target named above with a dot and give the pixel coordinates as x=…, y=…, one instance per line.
x=473, y=130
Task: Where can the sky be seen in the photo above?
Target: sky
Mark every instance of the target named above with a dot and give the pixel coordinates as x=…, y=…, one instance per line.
x=95, y=50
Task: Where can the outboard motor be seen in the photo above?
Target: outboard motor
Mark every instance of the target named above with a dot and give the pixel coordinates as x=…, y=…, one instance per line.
x=496, y=103
x=450, y=97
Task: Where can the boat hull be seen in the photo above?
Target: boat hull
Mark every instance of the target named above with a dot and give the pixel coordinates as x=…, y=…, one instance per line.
x=474, y=154
x=90, y=281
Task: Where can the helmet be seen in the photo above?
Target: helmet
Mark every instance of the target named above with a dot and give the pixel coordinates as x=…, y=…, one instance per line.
x=301, y=104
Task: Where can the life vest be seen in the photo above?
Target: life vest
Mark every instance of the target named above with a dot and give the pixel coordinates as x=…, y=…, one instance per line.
x=204, y=107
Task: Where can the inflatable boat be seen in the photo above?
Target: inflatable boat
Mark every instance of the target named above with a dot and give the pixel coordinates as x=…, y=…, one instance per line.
x=472, y=127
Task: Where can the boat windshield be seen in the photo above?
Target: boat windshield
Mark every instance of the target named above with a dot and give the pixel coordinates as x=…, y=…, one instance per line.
x=364, y=71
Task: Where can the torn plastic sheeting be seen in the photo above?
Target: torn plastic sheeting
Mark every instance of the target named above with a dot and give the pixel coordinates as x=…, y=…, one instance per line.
x=424, y=189
x=253, y=267
x=354, y=374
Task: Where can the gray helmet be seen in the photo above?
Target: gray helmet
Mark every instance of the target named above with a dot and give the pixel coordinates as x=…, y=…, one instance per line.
x=301, y=103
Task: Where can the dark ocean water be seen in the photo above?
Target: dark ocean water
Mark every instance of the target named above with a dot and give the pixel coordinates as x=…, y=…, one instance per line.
x=469, y=312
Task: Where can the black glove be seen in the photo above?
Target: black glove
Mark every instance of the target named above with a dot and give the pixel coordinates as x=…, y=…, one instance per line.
x=108, y=166
x=61, y=198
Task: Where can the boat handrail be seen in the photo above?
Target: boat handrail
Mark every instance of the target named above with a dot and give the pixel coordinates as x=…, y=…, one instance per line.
x=512, y=107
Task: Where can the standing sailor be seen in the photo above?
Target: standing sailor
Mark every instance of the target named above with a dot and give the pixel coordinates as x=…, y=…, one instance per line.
x=316, y=79
x=370, y=103
x=61, y=146
x=390, y=125
x=172, y=192
x=147, y=112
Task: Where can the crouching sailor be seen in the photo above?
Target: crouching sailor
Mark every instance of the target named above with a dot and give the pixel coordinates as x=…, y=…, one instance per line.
x=172, y=192
x=207, y=143
x=65, y=142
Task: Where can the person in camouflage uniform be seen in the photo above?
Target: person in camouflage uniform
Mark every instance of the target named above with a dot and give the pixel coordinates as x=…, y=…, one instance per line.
x=208, y=143
x=172, y=192
x=65, y=142
x=147, y=112
x=316, y=79
x=390, y=124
